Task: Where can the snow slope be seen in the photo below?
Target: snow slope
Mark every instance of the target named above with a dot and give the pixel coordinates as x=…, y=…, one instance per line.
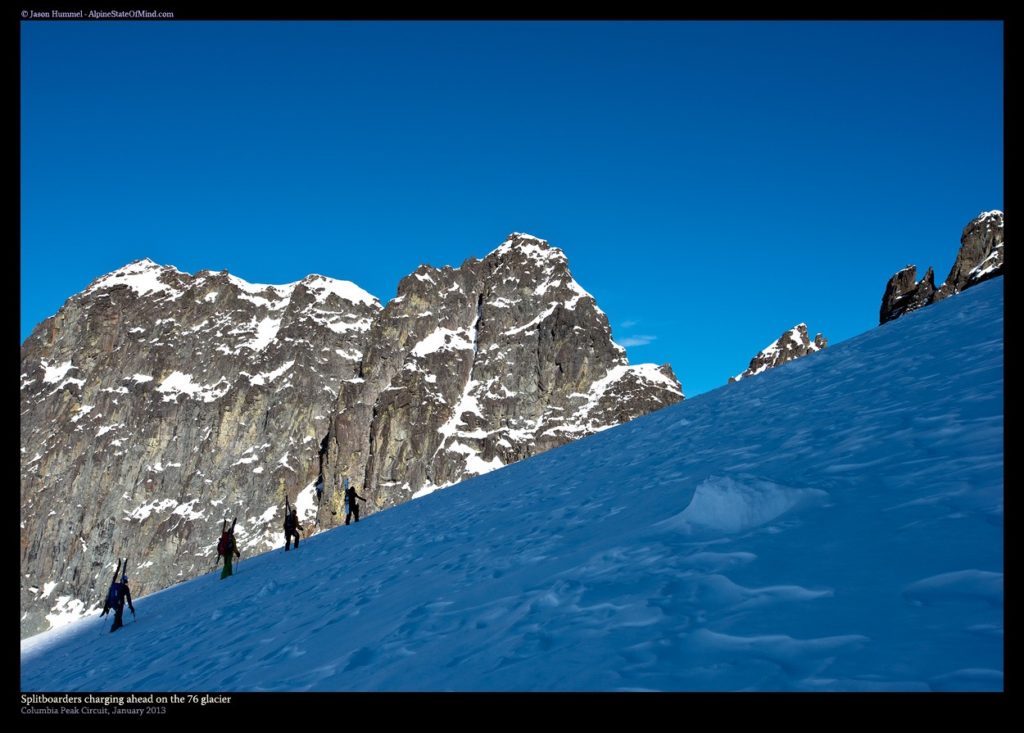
x=836, y=524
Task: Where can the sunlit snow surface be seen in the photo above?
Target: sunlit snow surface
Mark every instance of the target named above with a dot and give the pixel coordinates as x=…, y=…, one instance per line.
x=835, y=524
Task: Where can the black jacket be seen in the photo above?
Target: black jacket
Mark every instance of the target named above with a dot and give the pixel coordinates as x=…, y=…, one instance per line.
x=123, y=594
x=230, y=547
x=351, y=496
x=291, y=523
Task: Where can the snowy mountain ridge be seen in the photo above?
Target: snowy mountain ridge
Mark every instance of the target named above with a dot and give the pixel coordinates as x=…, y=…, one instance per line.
x=848, y=540
x=792, y=344
x=476, y=367
x=156, y=402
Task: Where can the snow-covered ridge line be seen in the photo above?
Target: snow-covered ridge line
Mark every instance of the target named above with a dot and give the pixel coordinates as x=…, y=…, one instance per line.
x=144, y=277
x=716, y=545
x=529, y=245
x=582, y=421
x=653, y=373
x=299, y=347
x=792, y=344
x=323, y=287
x=260, y=289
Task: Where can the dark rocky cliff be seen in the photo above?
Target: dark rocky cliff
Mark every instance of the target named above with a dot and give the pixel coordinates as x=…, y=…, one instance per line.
x=156, y=403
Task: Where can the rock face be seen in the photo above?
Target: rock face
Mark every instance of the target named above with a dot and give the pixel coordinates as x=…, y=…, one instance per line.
x=793, y=344
x=903, y=293
x=980, y=258
x=473, y=368
x=156, y=403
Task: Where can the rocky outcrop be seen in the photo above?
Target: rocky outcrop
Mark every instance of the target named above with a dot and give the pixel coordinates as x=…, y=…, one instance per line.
x=793, y=344
x=903, y=293
x=472, y=368
x=156, y=403
x=980, y=258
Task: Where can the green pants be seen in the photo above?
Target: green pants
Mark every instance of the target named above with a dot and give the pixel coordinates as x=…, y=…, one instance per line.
x=227, y=565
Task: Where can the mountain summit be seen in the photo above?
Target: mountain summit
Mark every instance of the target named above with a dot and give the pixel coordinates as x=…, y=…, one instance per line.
x=833, y=525
x=156, y=403
x=472, y=368
x=793, y=344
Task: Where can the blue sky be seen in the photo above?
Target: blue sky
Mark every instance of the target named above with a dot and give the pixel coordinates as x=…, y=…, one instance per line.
x=712, y=183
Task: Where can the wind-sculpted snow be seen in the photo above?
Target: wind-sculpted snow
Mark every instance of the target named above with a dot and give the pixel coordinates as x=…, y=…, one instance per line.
x=960, y=586
x=730, y=506
x=834, y=524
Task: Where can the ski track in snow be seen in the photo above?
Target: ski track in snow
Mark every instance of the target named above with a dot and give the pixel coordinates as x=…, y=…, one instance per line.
x=834, y=524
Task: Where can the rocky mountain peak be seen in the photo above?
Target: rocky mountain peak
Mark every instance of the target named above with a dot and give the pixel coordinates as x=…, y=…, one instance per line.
x=143, y=277
x=987, y=221
x=792, y=344
x=903, y=293
x=527, y=245
x=156, y=403
x=475, y=367
x=980, y=258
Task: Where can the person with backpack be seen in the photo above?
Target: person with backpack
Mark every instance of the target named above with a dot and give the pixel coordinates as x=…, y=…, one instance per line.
x=121, y=594
x=291, y=525
x=319, y=489
x=111, y=598
x=350, y=503
x=226, y=548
